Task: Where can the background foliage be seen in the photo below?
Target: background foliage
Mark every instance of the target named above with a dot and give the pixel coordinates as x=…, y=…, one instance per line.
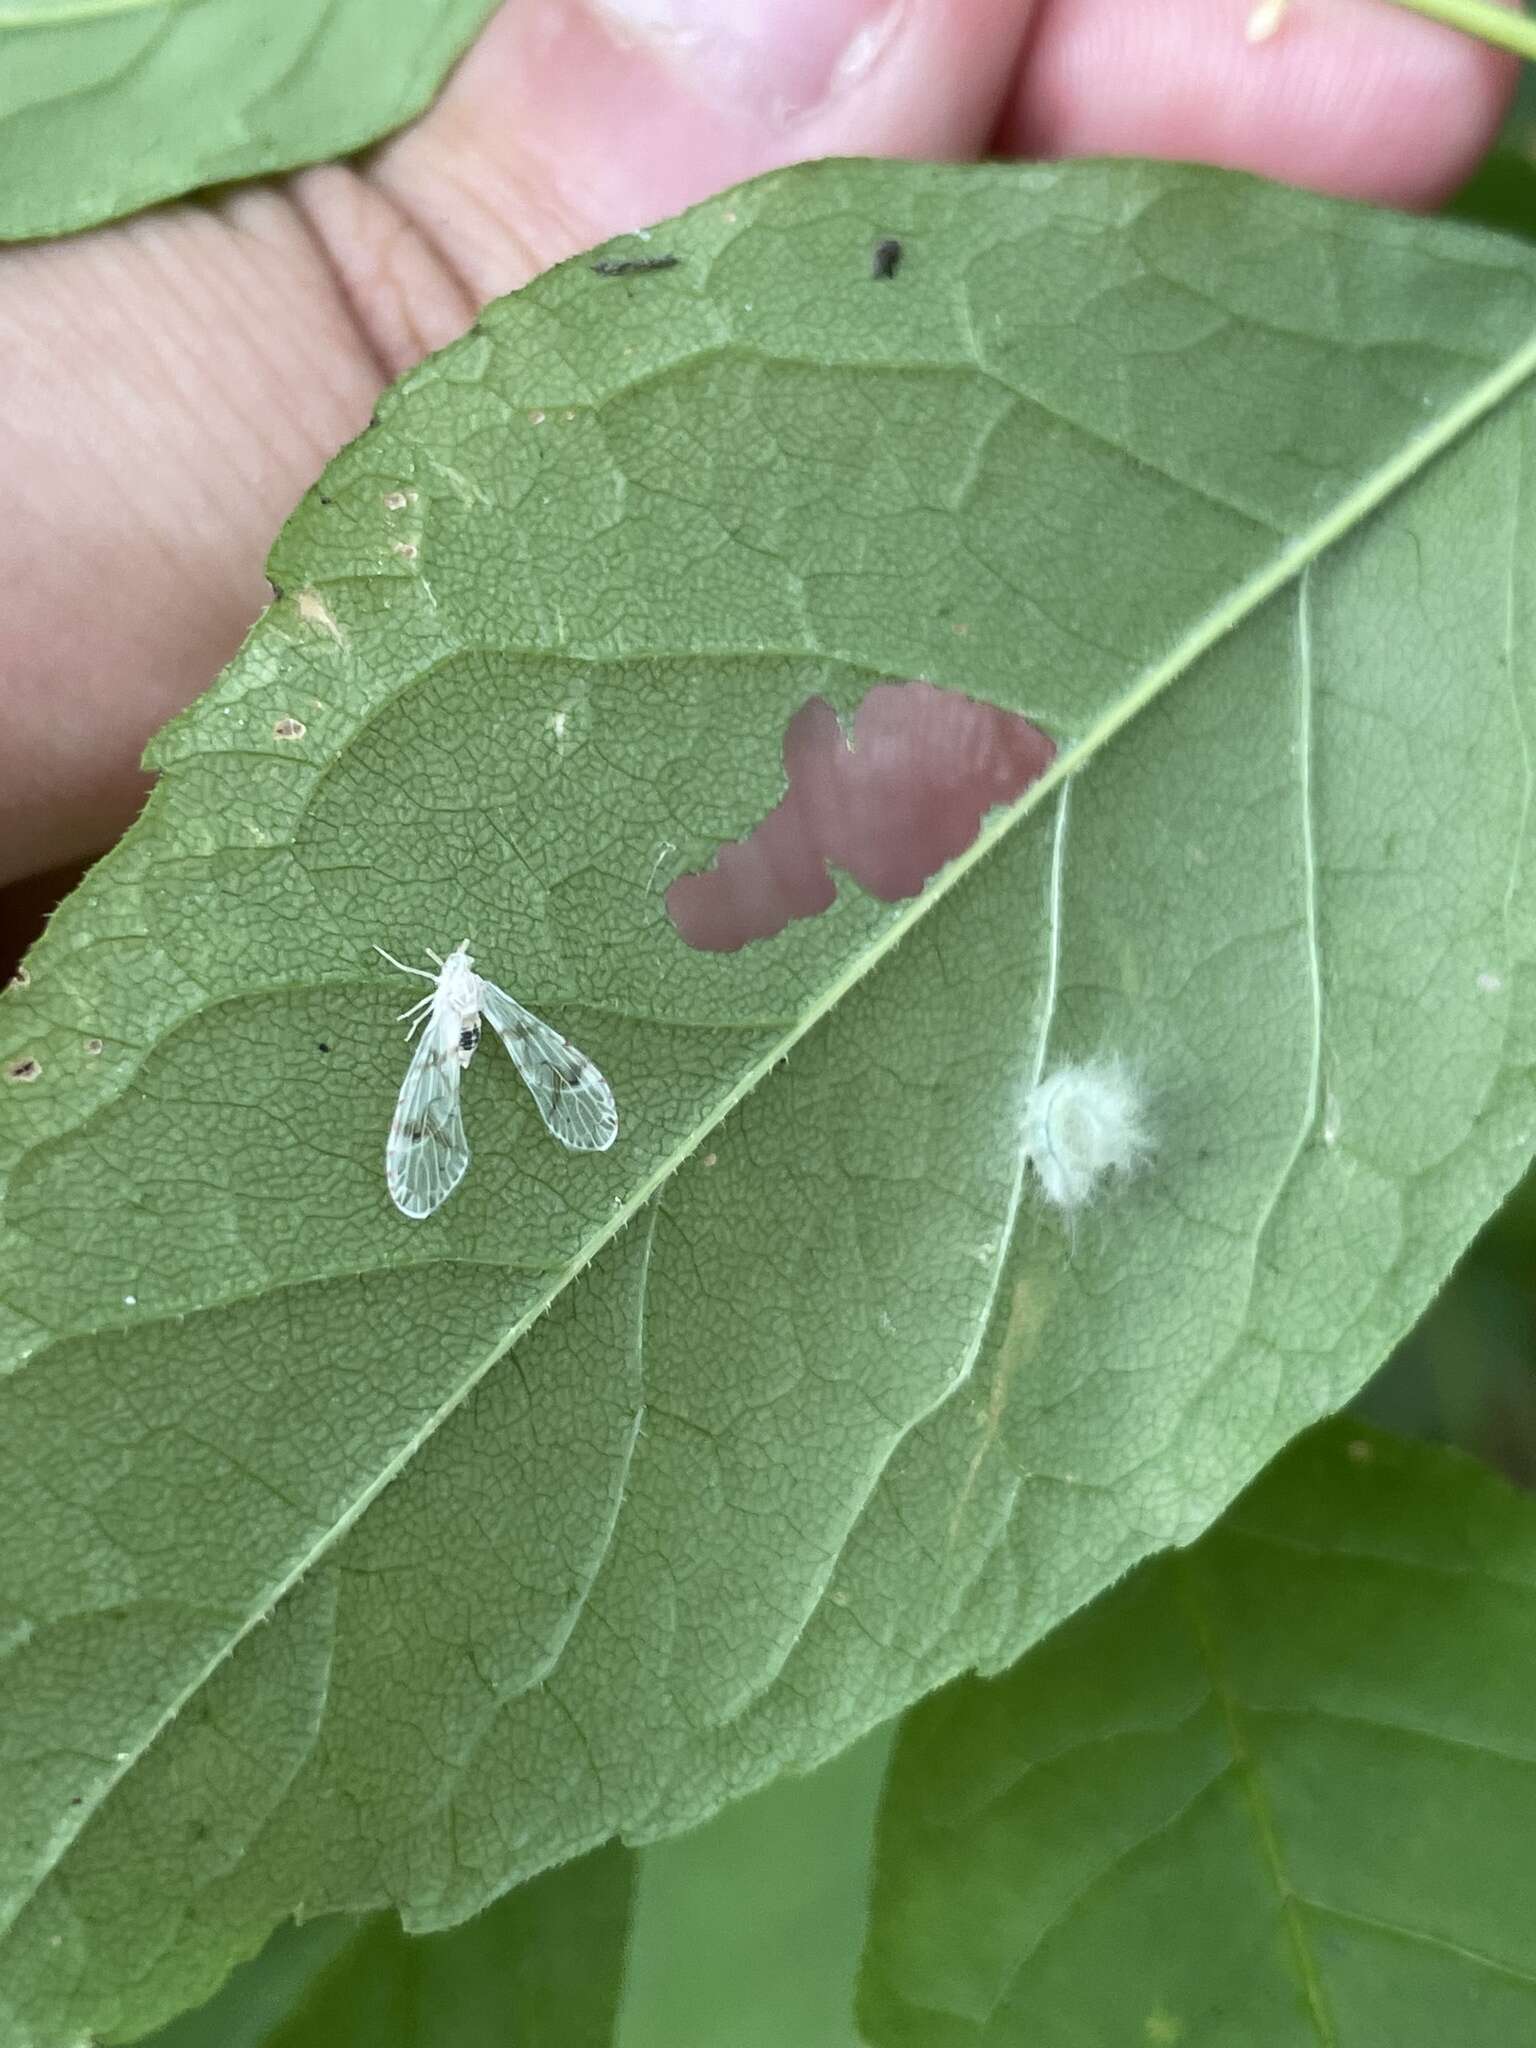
x=104, y=109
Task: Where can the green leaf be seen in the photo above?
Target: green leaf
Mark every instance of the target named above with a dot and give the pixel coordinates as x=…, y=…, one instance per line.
x=747, y=1930
x=1501, y=193
x=1279, y=1788
x=109, y=105
x=353, y=1561
x=542, y=1968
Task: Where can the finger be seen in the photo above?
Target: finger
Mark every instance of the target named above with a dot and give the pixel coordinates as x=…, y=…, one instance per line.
x=170, y=385
x=577, y=119
x=1356, y=97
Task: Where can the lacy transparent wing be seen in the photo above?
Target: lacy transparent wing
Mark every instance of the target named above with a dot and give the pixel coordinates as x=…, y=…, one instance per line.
x=573, y=1098
x=428, y=1154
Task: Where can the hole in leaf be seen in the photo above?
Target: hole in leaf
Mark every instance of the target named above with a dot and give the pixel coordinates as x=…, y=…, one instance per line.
x=889, y=805
x=24, y=1070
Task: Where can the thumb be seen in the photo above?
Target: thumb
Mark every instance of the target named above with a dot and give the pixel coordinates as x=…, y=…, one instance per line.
x=578, y=121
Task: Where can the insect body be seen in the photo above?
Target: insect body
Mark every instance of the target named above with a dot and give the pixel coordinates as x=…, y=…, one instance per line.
x=428, y=1154
x=1082, y=1125
x=633, y=266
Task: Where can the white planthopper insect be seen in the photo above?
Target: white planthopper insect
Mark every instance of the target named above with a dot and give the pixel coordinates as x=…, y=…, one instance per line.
x=428, y=1154
x=1084, y=1125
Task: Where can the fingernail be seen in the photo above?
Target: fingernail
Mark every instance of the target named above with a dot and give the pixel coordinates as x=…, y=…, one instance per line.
x=778, y=59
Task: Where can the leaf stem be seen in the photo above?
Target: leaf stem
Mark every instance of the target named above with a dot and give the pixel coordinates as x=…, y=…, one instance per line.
x=1506, y=27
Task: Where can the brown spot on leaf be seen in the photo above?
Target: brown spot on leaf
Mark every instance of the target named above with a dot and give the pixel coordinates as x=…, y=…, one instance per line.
x=314, y=611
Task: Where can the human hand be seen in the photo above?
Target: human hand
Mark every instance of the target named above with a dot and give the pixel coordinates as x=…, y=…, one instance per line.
x=173, y=383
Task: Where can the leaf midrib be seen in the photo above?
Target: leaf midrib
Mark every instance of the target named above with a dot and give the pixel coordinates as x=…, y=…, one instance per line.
x=1256, y=1797
x=1247, y=598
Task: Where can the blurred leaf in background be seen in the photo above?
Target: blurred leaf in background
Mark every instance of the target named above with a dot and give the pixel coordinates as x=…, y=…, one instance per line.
x=104, y=109
x=748, y=1931
x=542, y=1968
x=1279, y=1789
x=1467, y=1373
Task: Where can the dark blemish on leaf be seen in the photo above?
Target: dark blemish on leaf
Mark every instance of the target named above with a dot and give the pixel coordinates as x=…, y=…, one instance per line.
x=633, y=266
x=24, y=1070
x=886, y=260
x=321, y=1046
x=327, y=502
x=93, y=1046
x=289, y=729
x=888, y=801
x=395, y=501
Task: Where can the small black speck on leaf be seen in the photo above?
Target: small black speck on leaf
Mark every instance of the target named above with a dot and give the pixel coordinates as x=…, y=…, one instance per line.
x=325, y=500
x=886, y=260
x=633, y=266
x=321, y=1046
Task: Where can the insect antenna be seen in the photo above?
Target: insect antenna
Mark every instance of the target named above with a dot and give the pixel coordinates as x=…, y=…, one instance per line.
x=422, y=971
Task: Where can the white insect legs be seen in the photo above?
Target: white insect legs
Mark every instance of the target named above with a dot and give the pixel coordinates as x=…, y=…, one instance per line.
x=428, y=1154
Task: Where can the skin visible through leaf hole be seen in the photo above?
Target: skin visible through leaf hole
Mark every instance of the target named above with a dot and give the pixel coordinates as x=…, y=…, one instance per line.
x=888, y=805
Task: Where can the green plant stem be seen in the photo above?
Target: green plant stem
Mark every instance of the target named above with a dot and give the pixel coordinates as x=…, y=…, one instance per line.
x=1507, y=28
